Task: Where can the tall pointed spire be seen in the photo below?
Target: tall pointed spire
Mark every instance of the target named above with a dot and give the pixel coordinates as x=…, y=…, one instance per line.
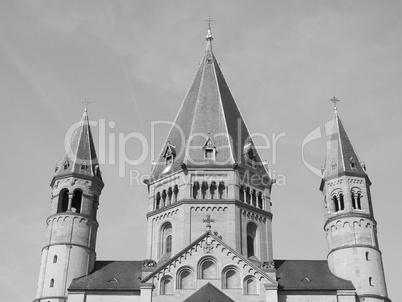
x=208, y=119
x=80, y=157
x=341, y=156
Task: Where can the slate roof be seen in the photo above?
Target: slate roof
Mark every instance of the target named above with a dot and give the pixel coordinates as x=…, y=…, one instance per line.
x=308, y=275
x=208, y=293
x=81, y=159
x=110, y=275
x=341, y=154
x=207, y=112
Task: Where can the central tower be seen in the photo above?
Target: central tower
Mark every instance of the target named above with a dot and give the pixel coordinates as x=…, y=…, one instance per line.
x=209, y=173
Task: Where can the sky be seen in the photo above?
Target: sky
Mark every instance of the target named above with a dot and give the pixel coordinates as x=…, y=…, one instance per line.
x=135, y=60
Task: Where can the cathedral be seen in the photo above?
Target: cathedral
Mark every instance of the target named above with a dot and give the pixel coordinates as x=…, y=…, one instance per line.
x=209, y=218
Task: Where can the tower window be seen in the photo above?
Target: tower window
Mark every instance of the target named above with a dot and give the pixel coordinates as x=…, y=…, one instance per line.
x=259, y=197
x=212, y=189
x=371, y=281
x=63, y=201
x=175, y=192
x=356, y=198
x=341, y=202
x=196, y=188
x=367, y=256
x=158, y=201
x=204, y=189
x=166, y=238
x=51, y=282
x=164, y=198
x=55, y=259
x=221, y=189
x=251, y=239
x=76, y=203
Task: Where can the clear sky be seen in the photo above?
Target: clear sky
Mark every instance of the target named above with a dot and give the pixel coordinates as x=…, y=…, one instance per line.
x=283, y=61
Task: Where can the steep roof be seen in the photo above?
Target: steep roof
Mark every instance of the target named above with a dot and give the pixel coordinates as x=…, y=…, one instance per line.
x=308, y=275
x=80, y=158
x=208, y=117
x=110, y=275
x=208, y=293
x=341, y=157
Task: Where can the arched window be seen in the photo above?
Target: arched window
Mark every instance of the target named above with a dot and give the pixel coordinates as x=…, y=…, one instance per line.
x=241, y=193
x=158, y=201
x=170, y=193
x=341, y=202
x=76, y=203
x=164, y=198
x=251, y=239
x=175, y=192
x=248, y=195
x=196, y=188
x=335, y=201
x=51, y=282
x=254, y=198
x=250, y=285
x=63, y=201
x=259, y=198
x=231, y=278
x=212, y=189
x=204, y=189
x=166, y=238
x=166, y=287
x=55, y=259
x=185, y=278
x=207, y=268
x=356, y=198
x=221, y=190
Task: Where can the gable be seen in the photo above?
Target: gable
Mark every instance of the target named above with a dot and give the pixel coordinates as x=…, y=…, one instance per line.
x=209, y=260
x=208, y=293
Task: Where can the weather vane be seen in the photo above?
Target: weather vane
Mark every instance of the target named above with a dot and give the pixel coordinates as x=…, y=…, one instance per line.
x=334, y=100
x=86, y=102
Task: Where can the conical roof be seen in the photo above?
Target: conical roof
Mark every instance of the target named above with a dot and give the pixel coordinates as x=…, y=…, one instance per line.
x=341, y=157
x=208, y=119
x=80, y=158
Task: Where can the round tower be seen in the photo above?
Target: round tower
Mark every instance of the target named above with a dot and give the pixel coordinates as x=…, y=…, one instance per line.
x=350, y=227
x=69, y=250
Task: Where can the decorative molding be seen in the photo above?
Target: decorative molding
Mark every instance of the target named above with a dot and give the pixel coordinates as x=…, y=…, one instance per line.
x=253, y=216
x=165, y=215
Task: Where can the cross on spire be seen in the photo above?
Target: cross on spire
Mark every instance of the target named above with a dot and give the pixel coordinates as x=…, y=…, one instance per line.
x=209, y=20
x=335, y=100
x=208, y=221
x=209, y=34
x=86, y=102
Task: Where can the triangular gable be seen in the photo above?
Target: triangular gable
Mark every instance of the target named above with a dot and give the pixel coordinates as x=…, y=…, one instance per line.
x=211, y=244
x=208, y=293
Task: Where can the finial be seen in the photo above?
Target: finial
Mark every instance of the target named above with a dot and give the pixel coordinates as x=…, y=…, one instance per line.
x=335, y=100
x=209, y=34
x=86, y=102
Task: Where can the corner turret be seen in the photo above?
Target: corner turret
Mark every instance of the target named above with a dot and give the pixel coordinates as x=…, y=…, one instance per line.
x=350, y=227
x=72, y=226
